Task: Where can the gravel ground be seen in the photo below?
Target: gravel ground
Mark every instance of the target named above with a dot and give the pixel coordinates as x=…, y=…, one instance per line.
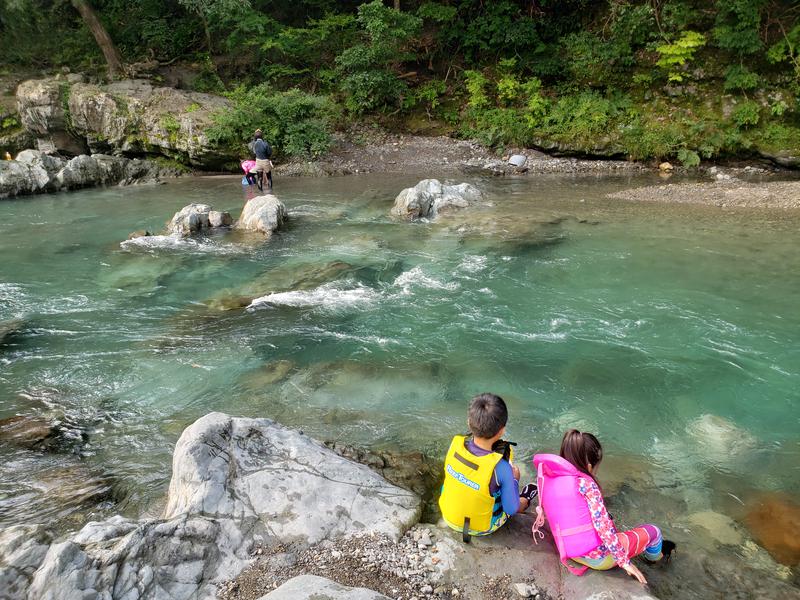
x=414, y=568
x=370, y=151
x=726, y=191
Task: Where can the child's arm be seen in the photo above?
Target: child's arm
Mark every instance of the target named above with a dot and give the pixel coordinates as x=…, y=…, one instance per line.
x=603, y=524
x=509, y=487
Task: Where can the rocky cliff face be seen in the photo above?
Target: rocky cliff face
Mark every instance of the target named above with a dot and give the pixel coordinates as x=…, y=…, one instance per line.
x=131, y=117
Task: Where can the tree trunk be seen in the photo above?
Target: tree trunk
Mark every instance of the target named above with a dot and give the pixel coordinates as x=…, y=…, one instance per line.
x=397, y=4
x=207, y=32
x=101, y=37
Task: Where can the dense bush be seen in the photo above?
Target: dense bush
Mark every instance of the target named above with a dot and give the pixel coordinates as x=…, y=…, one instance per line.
x=295, y=123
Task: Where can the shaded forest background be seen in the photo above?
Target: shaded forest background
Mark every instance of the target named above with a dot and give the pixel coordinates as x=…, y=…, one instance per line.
x=642, y=79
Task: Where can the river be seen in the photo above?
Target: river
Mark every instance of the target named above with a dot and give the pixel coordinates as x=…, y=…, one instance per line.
x=671, y=332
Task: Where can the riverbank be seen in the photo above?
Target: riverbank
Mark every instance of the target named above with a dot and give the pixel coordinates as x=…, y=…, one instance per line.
x=729, y=192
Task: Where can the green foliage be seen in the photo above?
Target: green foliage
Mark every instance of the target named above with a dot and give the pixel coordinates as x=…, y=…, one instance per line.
x=675, y=56
x=746, y=113
x=171, y=125
x=737, y=25
x=368, y=71
x=9, y=123
x=476, y=89
x=740, y=78
x=296, y=123
x=787, y=50
x=208, y=80
x=438, y=13
x=688, y=158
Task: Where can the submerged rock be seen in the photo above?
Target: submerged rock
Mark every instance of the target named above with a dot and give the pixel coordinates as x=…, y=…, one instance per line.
x=265, y=214
x=27, y=432
x=430, y=197
x=10, y=329
x=193, y=218
x=719, y=438
x=236, y=483
x=271, y=373
x=774, y=521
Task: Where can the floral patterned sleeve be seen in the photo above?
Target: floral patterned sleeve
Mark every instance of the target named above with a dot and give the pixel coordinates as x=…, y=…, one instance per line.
x=602, y=522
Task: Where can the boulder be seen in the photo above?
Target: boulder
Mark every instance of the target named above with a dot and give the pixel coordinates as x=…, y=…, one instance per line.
x=34, y=172
x=22, y=548
x=320, y=588
x=193, y=218
x=430, y=197
x=130, y=116
x=262, y=213
x=237, y=483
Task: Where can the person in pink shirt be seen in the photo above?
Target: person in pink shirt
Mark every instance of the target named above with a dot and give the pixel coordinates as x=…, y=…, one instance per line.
x=584, y=451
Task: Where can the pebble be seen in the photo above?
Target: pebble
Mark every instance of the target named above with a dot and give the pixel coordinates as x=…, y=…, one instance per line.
x=525, y=590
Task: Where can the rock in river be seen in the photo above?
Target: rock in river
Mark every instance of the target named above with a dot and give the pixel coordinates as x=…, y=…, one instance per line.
x=236, y=483
x=262, y=213
x=430, y=197
x=193, y=218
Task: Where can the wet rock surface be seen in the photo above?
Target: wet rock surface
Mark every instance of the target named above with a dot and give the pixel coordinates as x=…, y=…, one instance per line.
x=430, y=197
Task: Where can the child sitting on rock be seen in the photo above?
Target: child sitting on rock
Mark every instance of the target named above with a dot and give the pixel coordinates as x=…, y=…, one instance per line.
x=572, y=502
x=481, y=484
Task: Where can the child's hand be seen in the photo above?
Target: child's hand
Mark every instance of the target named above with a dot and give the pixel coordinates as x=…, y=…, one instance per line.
x=633, y=571
x=515, y=471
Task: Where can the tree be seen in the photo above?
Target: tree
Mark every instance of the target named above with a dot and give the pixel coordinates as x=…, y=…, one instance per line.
x=101, y=37
x=209, y=9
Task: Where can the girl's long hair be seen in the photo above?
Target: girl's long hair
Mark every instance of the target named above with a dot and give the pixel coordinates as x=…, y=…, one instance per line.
x=582, y=450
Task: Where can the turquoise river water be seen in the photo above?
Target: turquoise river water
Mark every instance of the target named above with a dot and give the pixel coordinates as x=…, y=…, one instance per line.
x=672, y=332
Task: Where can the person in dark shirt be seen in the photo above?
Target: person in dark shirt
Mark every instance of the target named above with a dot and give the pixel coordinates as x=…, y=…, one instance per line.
x=263, y=153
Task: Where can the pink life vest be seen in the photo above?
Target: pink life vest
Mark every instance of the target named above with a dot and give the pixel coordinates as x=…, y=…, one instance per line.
x=248, y=165
x=565, y=508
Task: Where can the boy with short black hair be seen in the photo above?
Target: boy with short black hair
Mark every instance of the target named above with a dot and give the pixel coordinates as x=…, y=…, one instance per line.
x=481, y=485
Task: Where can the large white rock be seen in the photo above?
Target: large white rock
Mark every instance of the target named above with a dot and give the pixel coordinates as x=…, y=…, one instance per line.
x=311, y=587
x=194, y=217
x=430, y=197
x=262, y=213
x=236, y=482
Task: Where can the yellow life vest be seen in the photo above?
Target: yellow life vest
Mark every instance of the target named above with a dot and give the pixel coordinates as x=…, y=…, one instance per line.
x=466, y=502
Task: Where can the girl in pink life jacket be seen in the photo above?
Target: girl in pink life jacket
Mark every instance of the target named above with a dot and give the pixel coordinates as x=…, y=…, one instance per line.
x=573, y=504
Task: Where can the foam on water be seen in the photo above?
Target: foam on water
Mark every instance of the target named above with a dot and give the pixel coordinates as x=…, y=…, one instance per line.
x=330, y=296
x=177, y=243
x=416, y=277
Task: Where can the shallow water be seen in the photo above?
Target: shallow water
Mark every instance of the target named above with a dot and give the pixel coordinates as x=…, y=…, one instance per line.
x=670, y=331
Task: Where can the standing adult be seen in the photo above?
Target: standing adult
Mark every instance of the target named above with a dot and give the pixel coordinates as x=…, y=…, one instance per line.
x=263, y=153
